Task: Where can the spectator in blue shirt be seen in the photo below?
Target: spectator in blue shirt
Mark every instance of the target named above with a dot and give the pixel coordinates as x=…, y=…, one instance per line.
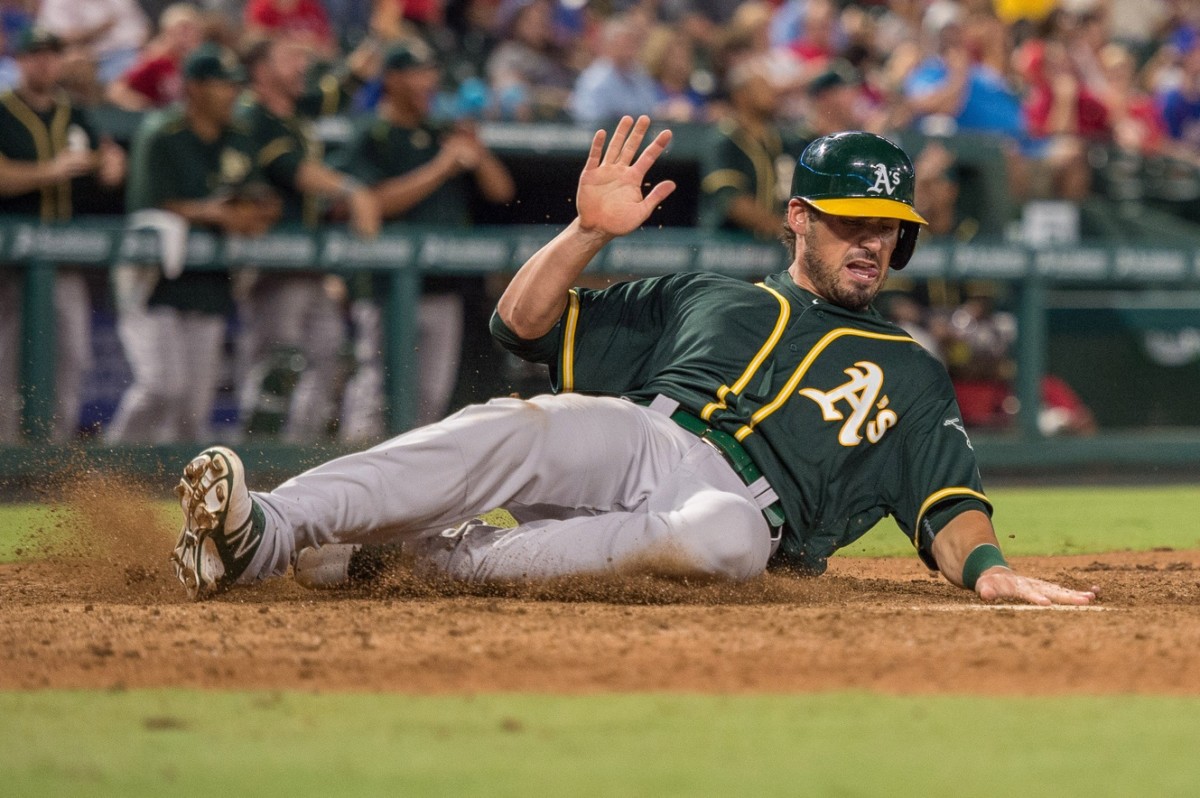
x=1181, y=104
x=951, y=84
x=954, y=91
x=616, y=83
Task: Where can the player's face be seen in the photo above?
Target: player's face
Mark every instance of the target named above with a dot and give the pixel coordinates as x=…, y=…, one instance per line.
x=41, y=70
x=214, y=99
x=413, y=90
x=289, y=64
x=842, y=258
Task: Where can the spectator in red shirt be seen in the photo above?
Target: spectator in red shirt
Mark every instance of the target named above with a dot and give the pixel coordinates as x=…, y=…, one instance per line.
x=1058, y=102
x=154, y=80
x=1137, y=122
x=818, y=44
x=304, y=20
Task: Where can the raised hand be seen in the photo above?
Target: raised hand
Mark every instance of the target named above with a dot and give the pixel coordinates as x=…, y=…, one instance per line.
x=609, y=199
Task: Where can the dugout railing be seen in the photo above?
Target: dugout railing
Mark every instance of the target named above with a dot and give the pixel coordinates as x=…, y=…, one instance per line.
x=404, y=255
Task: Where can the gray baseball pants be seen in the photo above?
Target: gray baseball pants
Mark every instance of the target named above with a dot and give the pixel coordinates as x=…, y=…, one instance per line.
x=293, y=310
x=175, y=356
x=611, y=486
x=72, y=352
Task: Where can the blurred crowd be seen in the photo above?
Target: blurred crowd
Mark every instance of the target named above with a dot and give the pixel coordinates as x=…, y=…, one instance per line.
x=237, y=83
x=969, y=329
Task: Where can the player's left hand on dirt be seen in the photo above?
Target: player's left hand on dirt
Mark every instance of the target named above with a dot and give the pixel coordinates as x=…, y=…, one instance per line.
x=1000, y=584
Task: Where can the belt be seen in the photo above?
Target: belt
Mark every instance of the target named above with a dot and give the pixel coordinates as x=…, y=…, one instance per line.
x=733, y=452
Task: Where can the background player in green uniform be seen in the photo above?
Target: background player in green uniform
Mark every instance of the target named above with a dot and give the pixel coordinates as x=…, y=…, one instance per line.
x=294, y=314
x=194, y=162
x=423, y=174
x=725, y=426
x=48, y=147
x=748, y=164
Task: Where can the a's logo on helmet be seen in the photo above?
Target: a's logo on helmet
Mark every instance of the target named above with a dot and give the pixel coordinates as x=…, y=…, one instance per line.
x=885, y=181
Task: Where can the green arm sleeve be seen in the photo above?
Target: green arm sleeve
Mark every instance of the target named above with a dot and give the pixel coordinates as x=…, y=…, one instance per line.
x=539, y=350
x=937, y=476
x=606, y=339
x=280, y=159
x=724, y=175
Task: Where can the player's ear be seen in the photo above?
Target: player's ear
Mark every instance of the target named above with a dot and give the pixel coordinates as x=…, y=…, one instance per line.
x=797, y=216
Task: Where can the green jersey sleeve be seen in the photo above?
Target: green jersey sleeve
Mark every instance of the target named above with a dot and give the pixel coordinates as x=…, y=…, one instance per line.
x=725, y=174
x=937, y=475
x=279, y=160
x=606, y=339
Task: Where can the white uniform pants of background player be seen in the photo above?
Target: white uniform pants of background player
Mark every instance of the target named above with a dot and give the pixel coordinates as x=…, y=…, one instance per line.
x=614, y=486
x=175, y=356
x=72, y=352
x=439, y=353
x=294, y=310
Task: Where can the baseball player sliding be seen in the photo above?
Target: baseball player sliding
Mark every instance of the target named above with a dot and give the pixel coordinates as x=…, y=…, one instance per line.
x=699, y=424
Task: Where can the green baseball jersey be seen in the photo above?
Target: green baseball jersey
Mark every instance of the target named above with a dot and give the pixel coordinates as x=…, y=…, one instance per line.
x=379, y=150
x=168, y=162
x=847, y=417
x=282, y=145
x=29, y=135
x=736, y=163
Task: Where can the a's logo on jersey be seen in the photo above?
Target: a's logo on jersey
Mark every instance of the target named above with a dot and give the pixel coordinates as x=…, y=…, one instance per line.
x=958, y=425
x=885, y=181
x=861, y=393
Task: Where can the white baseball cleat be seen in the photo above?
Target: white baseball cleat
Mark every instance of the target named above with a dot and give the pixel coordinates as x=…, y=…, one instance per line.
x=222, y=526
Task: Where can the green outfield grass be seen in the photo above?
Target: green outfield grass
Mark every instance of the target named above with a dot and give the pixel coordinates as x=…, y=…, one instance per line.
x=1029, y=521
x=183, y=743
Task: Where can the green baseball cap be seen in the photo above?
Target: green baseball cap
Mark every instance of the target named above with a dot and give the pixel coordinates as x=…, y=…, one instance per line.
x=38, y=40
x=412, y=54
x=211, y=61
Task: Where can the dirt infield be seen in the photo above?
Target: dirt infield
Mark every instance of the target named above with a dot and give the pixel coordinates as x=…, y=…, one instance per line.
x=108, y=614
x=877, y=624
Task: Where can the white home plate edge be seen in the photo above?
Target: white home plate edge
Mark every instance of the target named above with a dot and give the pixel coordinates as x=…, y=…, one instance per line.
x=1015, y=607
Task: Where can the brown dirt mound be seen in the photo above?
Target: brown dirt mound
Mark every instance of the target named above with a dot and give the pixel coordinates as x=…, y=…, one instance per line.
x=106, y=612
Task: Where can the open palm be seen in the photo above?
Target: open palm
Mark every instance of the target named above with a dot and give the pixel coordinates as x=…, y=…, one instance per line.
x=609, y=199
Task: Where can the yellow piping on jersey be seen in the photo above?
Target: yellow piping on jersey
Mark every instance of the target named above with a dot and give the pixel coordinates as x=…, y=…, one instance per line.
x=722, y=178
x=763, y=162
x=568, y=346
x=58, y=143
x=42, y=148
x=790, y=387
x=273, y=150
x=785, y=313
x=946, y=493
x=331, y=92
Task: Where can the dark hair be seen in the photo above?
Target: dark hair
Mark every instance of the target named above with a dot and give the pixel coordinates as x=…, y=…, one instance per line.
x=788, y=236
